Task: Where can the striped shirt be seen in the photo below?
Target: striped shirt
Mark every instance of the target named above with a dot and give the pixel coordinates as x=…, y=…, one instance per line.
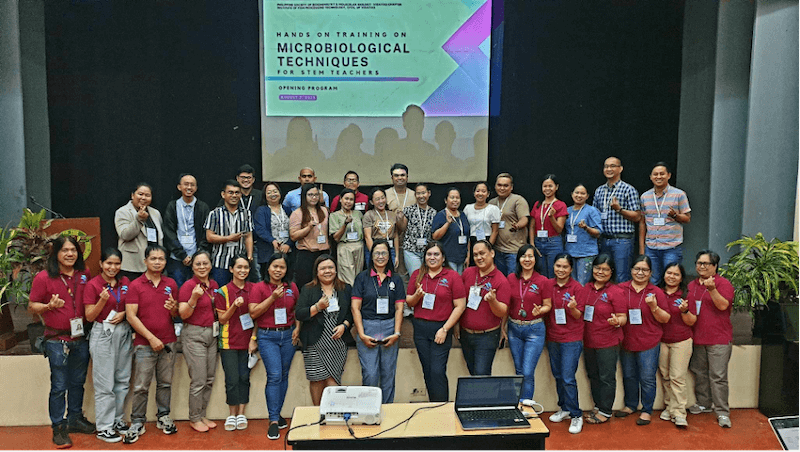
x=628, y=198
x=670, y=234
x=222, y=222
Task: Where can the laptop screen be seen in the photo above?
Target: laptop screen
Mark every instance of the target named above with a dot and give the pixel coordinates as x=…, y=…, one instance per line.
x=488, y=391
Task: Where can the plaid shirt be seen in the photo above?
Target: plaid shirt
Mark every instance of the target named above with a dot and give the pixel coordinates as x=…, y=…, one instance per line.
x=613, y=222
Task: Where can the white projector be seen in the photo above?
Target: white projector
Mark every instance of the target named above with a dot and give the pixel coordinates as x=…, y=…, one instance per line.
x=361, y=403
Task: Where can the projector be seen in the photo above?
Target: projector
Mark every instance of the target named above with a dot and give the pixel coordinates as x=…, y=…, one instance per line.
x=361, y=403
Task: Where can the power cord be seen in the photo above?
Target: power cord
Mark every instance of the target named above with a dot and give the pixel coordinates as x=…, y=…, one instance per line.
x=286, y=436
x=352, y=433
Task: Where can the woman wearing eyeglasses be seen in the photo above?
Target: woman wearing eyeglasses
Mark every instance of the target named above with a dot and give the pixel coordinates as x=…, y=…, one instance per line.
x=308, y=228
x=710, y=298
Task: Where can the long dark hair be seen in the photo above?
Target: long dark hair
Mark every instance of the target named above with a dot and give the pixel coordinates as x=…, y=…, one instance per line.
x=390, y=264
x=424, y=268
x=52, y=260
x=304, y=205
x=604, y=259
x=682, y=284
x=108, y=252
x=521, y=252
x=337, y=283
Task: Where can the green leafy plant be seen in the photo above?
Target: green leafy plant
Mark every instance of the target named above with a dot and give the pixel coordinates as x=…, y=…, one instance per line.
x=762, y=271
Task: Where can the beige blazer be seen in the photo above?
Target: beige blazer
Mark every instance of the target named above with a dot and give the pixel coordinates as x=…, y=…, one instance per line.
x=133, y=236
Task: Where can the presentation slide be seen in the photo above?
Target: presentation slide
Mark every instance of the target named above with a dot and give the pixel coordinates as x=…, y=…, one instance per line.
x=363, y=85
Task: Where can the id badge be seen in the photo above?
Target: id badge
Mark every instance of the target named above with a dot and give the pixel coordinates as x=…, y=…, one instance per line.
x=178, y=327
x=232, y=244
x=502, y=224
x=636, y=316
x=284, y=234
x=604, y=215
x=474, y=300
x=541, y=233
x=361, y=206
x=246, y=321
x=352, y=236
x=215, y=328
x=422, y=241
x=697, y=304
x=572, y=238
x=107, y=325
x=187, y=240
x=280, y=316
x=321, y=239
x=588, y=313
x=333, y=304
x=561, y=316
x=427, y=301
x=152, y=235
x=480, y=235
x=76, y=327
x=382, y=306
x=462, y=239
x=659, y=221
x=391, y=244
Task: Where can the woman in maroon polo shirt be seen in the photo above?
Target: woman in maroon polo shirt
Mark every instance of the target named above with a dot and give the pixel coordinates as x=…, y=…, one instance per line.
x=487, y=304
x=565, y=341
x=604, y=313
x=710, y=297
x=676, y=345
x=439, y=296
x=647, y=311
x=531, y=300
x=236, y=341
x=197, y=307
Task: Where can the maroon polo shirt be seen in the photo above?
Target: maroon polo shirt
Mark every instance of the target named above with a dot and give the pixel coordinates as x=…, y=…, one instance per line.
x=526, y=293
x=713, y=327
x=676, y=330
x=483, y=318
x=573, y=330
x=150, y=299
x=262, y=291
x=446, y=286
x=598, y=333
x=232, y=336
x=639, y=338
x=68, y=288
x=116, y=295
x=203, y=313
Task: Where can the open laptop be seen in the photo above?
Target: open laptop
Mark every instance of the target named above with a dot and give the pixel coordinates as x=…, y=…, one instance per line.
x=489, y=402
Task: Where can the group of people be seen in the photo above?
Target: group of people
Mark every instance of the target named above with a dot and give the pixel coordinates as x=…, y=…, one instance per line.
x=262, y=272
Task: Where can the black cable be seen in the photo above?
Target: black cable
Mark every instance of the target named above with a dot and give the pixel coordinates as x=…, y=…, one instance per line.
x=286, y=436
x=346, y=421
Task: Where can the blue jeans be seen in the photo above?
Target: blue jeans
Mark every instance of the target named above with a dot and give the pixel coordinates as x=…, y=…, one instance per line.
x=433, y=358
x=639, y=371
x=379, y=363
x=413, y=261
x=479, y=350
x=564, y=357
x=582, y=269
x=277, y=353
x=660, y=259
x=620, y=251
x=179, y=272
x=368, y=256
x=67, y=377
x=456, y=267
x=221, y=275
x=505, y=262
x=526, y=343
x=549, y=247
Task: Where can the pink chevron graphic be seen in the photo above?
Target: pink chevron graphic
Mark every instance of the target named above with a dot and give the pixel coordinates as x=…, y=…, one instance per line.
x=471, y=34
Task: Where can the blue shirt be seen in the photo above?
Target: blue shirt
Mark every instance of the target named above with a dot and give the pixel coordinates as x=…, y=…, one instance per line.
x=185, y=214
x=292, y=199
x=455, y=252
x=586, y=244
x=366, y=288
x=628, y=198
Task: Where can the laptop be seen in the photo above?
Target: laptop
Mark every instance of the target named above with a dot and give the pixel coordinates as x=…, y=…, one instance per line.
x=489, y=402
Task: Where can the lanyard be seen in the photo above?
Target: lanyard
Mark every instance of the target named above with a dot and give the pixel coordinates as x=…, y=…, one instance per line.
x=380, y=284
x=655, y=200
x=543, y=213
x=694, y=293
x=71, y=291
x=249, y=201
x=599, y=295
x=639, y=306
x=425, y=283
x=609, y=196
x=236, y=295
x=523, y=289
x=185, y=217
x=460, y=221
x=283, y=297
x=117, y=295
x=405, y=198
x=483, y=281
x=574, y=217
x=227, y=214
x=558, y=290
x=502, y=205
x=421, y=224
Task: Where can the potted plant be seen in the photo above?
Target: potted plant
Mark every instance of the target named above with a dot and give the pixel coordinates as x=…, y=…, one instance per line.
x=765, y=276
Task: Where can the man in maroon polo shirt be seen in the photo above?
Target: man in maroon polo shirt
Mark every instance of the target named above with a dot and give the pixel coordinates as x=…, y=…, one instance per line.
x=149, y=309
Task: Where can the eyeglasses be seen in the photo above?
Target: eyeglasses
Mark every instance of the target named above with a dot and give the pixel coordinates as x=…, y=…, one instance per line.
x=398, y=174
x=611, y=166
x=640, y=270
x=246, y=177
x=380, y=254
x=704, y=264
x=312, y=195
x=351, y=179
x=601, y=270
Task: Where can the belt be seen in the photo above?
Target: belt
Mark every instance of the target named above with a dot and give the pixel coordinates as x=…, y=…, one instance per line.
x=280, y=328
x=480, y=332
x=525, y=322
x=617, y=236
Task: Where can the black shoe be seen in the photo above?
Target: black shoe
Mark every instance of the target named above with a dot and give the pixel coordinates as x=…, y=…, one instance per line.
x=282, y=424
x=273, y=432
x=81, y=425
x=60, y=436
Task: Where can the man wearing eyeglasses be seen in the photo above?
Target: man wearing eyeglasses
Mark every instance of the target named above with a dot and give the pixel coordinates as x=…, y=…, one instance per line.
x=307, y=176
x=351, y=181
x=251, y=199
x=620, y=210
x=229, y=228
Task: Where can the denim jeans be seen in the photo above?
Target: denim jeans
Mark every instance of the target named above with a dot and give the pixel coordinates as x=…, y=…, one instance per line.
x=639, y=372
x=179, y=272
x=277, y=353
x=564, y=358
x=237, y=376
x=526, y=343
x=221, y=275
x=582, y=269
x=112, y=354
x=413, y=261
x=549, y=247
x=456, y=267
x=368, y=256
x=601, y=368
x=620, y=251
x=505, y=262
x=433, y=358
x=479, y=350
x=660, y=259
x=379, y=363
x=146, y=363
x=67, y=377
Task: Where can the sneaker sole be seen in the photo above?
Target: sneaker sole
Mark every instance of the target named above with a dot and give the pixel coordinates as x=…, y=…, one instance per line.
x=273, y=437
x=111, y=440
x=63, y=446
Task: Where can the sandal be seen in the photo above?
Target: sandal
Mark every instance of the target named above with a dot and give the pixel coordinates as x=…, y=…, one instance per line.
x=230, y=423
x=241, y=422
x=623, y=413
x=594, y=420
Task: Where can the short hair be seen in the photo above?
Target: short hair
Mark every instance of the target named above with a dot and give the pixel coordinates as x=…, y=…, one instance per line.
x=245, y=169
x=275, y=257
x=236, y=257
x=353, y=173
x=506, y=175
x=664, y=164
x=451, y=189
x=53, y=269
x=230, y=183
x=398, y=166
x=711, y=255
x=154, y=247
x=267, y=184
x=142, y=184
x=483, y=242
x=604, y=259
x=181, y=176
x=382, y=242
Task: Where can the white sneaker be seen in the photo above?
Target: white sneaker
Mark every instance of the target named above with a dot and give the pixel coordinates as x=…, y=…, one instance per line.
x=665, y=416
x=724, y=421
x=576, y=425
x=559, y=416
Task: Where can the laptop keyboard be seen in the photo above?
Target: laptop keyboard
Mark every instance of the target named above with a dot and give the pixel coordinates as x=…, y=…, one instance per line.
x=487, y=415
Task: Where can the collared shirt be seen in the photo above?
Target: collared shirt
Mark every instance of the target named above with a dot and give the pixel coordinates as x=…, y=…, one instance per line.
x=186, y=232
x=367, y=288
x=512, y=209
x=336, y=220
x=262, y=291
x=527, y=293
x=713, y=326
x=676, y=330
x=628, y=199
x=292, y=199
x=446, y=286
x=151, y=311
x=68, y=288
x=231, y=334
x=483, y=318
x=572, y=330
x=361, y=204
x=598, y=333
x=670, y=234
x=203, y=312
x=116, y=295
x=222, y=222
x=456, y=252
x=644, y=336
x=584, y=245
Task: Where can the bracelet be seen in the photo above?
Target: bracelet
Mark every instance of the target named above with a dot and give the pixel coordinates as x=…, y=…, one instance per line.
x=191, y=306
x=397, y=333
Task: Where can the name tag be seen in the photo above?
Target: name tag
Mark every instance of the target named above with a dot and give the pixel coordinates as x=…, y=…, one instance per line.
x=427, y=301
x=215, y=328
x=361, y=206
x=635, y=315
x=474, y=300
x=697, y=306
x=422, y=241
x=284, y=234
x=659, y=221
x=76, y=327
x=480, y=235
x=604, y=215
x=333, y=304
x=542, y=234
x=352, y=236
x=178, y=327
x=321, y=239
x=382, y=306
x=572, y=238
x=588, y=313
x=152, y=235
x=107, y=325
x=187, y=240
x=246, y=321
x=462, y=239
x=280, y=316
x=561, y=316
x=502, y=224
x=232, y=244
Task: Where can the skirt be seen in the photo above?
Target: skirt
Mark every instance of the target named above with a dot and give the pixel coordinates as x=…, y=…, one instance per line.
x=326, y=358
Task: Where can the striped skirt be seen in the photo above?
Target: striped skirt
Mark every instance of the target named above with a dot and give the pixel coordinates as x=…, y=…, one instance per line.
x=326, y=358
